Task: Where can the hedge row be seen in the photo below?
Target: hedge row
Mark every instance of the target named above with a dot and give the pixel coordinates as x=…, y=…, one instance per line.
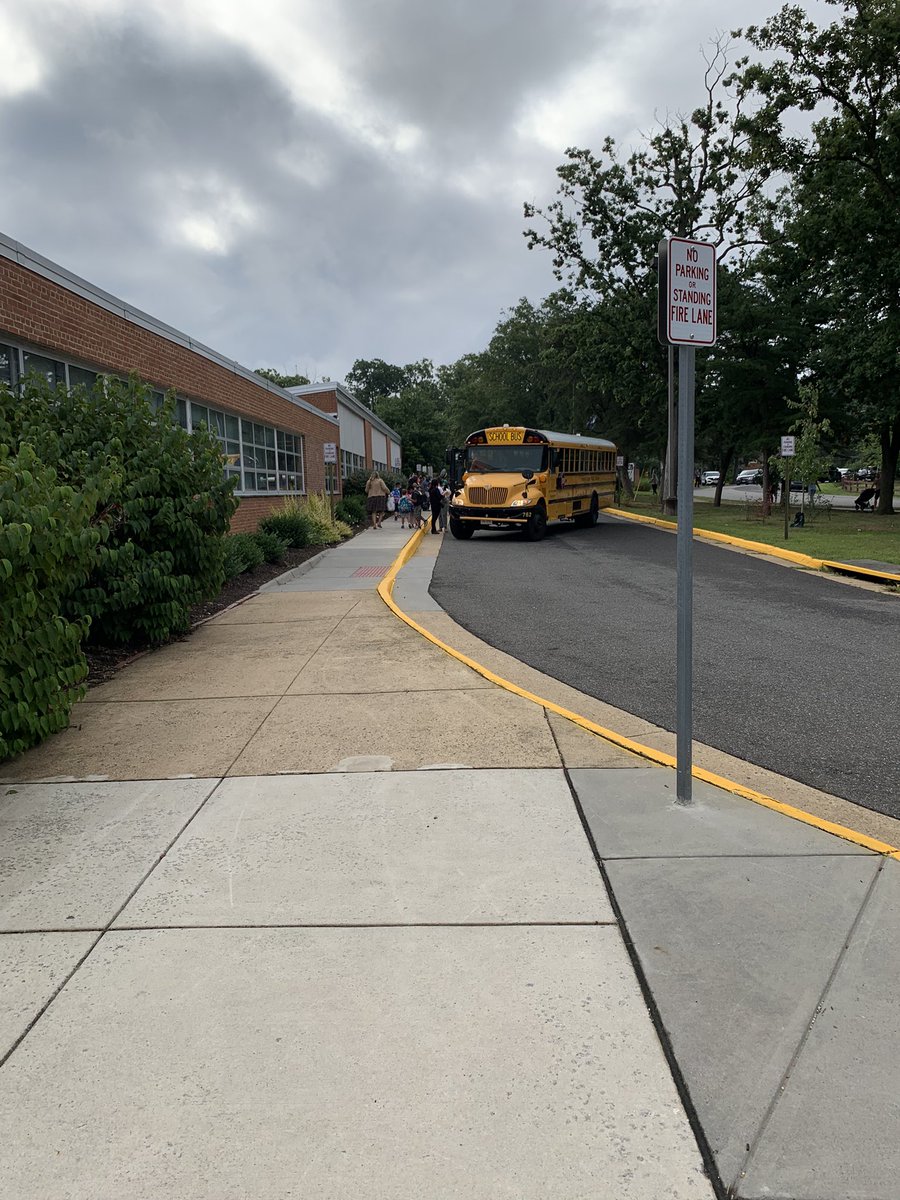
x=111, y=527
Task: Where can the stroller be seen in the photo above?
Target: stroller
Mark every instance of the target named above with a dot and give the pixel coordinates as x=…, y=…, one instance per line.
x=864, y=501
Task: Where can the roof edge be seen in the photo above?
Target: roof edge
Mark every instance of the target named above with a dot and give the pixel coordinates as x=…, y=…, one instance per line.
x=39, y=265
x=351, y=401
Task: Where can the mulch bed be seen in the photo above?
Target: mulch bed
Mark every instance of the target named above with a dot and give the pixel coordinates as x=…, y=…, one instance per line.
x=105, y=661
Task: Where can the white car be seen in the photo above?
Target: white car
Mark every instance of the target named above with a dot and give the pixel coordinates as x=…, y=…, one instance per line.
x=708, y=477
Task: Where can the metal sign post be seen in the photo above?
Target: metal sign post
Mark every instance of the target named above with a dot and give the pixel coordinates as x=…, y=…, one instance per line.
x=330, y=459
x=684, y=554
x=687, y=319
x=788, y=449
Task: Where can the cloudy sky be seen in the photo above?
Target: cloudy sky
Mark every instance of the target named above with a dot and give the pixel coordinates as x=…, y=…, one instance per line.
x=300, y=183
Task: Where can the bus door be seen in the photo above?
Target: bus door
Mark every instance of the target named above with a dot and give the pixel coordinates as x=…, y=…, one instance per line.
x=456, y=461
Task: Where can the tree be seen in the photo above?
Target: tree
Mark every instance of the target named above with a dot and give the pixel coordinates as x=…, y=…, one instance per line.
x=810, y=461
x=693, y=177
x=369, y=379
x=410, y=399
x=284, y=381
x=844, y=193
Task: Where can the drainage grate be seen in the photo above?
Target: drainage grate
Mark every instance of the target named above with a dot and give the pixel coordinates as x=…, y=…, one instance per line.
x=369, y=572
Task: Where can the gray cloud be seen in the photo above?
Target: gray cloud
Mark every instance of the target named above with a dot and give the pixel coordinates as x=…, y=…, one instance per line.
x=189, y=174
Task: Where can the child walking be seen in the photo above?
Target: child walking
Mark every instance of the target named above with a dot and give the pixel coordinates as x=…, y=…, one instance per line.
x=405, y=509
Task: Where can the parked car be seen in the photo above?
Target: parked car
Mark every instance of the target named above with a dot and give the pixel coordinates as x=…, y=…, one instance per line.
x=708, y=477
x=752, y=475
x=866, y=473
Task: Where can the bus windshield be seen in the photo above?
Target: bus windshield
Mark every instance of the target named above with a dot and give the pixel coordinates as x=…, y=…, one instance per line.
x=505, y=458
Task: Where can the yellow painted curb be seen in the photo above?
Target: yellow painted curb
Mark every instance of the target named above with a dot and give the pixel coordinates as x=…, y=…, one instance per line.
x=385, y=591
x=710, y=535
x=794, y=556
x=887, y=576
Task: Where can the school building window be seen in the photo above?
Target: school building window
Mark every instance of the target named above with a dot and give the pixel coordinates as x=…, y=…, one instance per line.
x=350, y=463
x=260, y=457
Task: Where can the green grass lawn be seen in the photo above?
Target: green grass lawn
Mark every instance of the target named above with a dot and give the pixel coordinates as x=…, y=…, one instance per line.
x=844, y=535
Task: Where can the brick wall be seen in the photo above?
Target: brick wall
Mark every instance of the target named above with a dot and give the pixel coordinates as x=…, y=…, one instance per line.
x=327, y=401
x=65, y=325
x=251, y=511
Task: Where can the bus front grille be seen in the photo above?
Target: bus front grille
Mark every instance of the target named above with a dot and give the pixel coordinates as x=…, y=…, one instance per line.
x=482, y=495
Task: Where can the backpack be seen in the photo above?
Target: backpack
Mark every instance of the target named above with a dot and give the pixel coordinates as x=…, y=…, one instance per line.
x=404, y=504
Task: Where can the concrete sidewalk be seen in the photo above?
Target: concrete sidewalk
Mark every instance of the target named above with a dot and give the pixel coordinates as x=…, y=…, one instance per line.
x=301, y=906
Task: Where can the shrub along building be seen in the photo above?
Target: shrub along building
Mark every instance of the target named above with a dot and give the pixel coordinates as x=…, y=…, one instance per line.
x=71, y=331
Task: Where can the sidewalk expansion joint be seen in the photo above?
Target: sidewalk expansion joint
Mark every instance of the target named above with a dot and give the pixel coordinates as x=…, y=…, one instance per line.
x=598, y=924
x=52, y=929
x=4, y=1058
x=179, y=699
x=709, y=1160
x=755, y=1141
x=733, y=854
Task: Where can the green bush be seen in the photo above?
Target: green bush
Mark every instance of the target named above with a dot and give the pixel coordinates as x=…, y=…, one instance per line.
x=292, y=527
x=165, y=511
x=352, y=510
x=242, y=553
x=47, y=546
x=271, y=545
x=324, y=530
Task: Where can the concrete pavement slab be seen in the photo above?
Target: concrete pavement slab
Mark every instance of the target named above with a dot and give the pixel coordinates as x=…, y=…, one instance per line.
x=634, y=815
x=477, y=728
x=468, y=847
x=151, y=740
x=789, y=791
x=404, y=666
x=579, y=748
x=279, y=607
x=388, y=1063
x=32, y=967
x=370, y=604
x=411, y=588
x=229, y=669
x=374, y=632
x=267, y=640
x=835, y=1132
x=737, y=952
x=71, y=854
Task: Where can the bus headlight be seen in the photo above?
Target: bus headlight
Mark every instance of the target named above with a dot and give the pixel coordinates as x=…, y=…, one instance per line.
x=518, y=503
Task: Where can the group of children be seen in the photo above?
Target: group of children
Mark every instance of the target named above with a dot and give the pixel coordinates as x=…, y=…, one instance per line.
x=412, y=504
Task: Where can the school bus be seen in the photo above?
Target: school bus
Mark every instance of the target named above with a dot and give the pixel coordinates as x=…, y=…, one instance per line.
x=511, y=477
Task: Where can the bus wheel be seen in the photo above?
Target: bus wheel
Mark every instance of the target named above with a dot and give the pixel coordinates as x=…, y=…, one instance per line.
x=462, y=530
x=591, y=517
x=537, y=524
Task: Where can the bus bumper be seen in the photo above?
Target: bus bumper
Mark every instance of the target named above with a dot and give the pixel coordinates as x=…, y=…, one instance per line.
x=509, y=516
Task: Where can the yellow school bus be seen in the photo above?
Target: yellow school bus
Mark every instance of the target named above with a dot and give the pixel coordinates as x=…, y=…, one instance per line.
x=510, y=477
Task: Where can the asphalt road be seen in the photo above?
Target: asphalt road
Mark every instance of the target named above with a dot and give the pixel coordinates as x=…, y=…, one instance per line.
x=792, y=671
